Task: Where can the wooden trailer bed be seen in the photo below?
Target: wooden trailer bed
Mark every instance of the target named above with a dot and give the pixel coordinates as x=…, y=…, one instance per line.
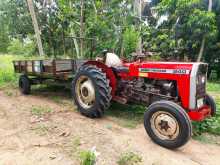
x=55, y=69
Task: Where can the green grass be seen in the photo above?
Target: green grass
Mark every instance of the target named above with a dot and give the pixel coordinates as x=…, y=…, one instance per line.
x=40, y=111
x=213, y=87
x=87, y=158
x=208, y=138
x=129, y=158
x=126, y=115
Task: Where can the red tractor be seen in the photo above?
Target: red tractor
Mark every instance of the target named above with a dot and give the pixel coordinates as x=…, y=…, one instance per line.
x=174, y=92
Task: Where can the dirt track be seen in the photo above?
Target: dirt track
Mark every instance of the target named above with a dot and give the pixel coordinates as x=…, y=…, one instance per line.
x=56, y=137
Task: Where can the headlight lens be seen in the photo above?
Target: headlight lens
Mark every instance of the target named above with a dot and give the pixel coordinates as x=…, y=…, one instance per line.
x=200, y=102
x=203, y=79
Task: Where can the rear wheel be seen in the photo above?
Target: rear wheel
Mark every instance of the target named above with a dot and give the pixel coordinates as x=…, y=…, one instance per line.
x=167, y=124
x=211, y=102
x=24, y=84
x=91, y=91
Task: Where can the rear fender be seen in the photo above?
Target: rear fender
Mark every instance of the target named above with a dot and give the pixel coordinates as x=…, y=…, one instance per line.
x=109, y=74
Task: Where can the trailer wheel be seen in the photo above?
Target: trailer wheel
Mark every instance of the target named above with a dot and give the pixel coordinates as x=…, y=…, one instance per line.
x=24, y=84
x=167, y=124
x=91, y=91
x=211, y=102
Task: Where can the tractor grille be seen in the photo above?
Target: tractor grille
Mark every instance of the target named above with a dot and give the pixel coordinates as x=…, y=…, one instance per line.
x=201, y=81
x=200, y=91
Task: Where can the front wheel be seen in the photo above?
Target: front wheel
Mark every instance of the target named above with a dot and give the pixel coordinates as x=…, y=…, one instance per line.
x=167, y=124
x=211, y=102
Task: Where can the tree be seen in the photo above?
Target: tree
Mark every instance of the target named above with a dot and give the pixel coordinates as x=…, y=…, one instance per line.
x=36, y=27
x=82, y=27
x=180, y=34
x=203, y=40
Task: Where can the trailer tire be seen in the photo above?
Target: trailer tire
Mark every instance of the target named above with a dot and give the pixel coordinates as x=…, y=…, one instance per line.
x=211, y=102
x=24, y=85
x=167, y=124
x=93, y=94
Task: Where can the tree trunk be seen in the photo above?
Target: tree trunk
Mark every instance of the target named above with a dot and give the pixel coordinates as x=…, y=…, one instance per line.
x=50, y=44
x=75, y=43
x=201, y=50
x=138, y=11
x=36, y=27
x=63, y=41
x=203, y=40
x=82, y=29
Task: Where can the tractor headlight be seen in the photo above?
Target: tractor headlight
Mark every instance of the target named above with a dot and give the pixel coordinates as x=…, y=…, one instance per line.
x=203, y=79
x=200, y=102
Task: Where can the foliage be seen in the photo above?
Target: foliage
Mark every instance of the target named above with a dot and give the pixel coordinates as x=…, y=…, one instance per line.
x=213, y=87
x=127, y=115
x=87, y=158
x=174, y=31
x=180, y=34
x=18, y=48
x=130, y=40
x=4, y=38
x=7, y=74
x=129, y=158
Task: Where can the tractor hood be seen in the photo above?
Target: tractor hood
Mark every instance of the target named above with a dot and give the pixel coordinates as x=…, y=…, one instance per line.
x=162, y=67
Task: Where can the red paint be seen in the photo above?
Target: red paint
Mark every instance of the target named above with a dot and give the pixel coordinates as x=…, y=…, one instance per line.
x=200, y=114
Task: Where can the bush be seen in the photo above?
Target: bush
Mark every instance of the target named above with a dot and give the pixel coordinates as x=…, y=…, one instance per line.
x=7, y=74
x=130, y=40
x=4, y=42
x=16, y=47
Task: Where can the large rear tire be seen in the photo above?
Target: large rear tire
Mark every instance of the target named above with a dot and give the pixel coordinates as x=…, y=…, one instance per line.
x=24, y=85
x=167, y=124
x=91, y=91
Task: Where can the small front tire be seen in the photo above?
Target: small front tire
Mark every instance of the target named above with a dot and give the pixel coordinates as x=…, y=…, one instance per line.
x=167, y=124
x=211, y=102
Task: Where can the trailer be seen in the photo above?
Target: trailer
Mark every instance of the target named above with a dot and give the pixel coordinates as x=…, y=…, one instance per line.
x=37, y=71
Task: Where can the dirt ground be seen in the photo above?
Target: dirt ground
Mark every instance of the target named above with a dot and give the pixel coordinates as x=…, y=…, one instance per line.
x=57, y=137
